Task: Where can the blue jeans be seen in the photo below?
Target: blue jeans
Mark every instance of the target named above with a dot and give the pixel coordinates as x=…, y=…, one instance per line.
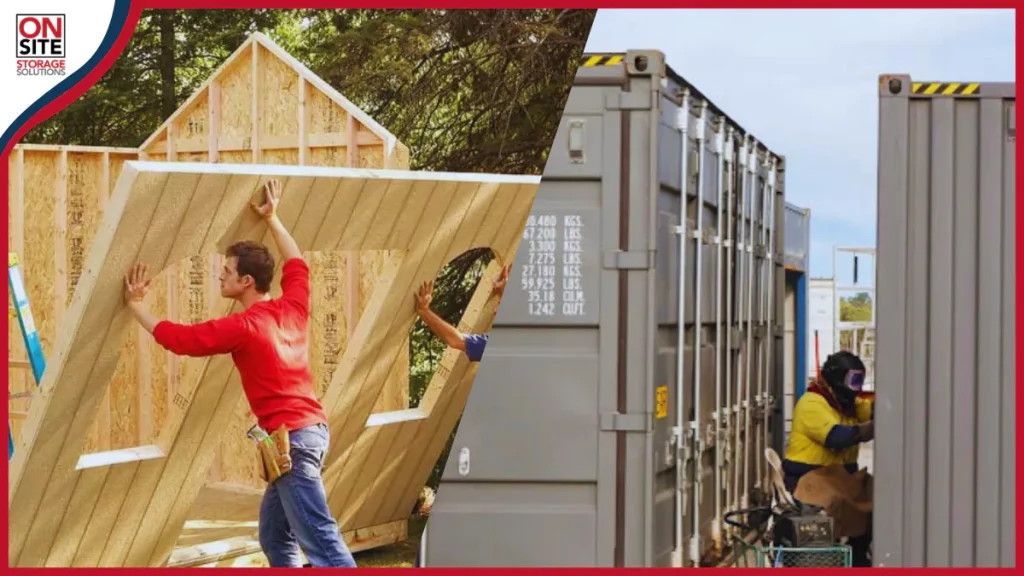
x=294, y=514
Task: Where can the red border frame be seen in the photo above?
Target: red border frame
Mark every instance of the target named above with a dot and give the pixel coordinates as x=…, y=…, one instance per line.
x=138, y=5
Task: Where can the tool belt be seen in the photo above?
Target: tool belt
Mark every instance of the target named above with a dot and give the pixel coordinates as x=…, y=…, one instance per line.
x=273, y=453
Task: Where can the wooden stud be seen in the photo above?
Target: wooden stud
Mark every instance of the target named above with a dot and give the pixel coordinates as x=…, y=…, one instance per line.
x=352, y=144
x=60, y=210
x=172, y=153
x=352, y=260
x=103, y=419
x=257, y=97
x=303, y=123
x=213, y=124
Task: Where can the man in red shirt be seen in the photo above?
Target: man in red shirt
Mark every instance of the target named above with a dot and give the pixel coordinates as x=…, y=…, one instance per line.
x=267, y=341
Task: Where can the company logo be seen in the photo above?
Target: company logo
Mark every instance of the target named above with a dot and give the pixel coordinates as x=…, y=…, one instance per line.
x=40, y=44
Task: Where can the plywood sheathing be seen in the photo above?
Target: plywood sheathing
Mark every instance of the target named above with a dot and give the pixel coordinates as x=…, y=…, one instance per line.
x=56, y=198
x=131, y=513
x=299, y=119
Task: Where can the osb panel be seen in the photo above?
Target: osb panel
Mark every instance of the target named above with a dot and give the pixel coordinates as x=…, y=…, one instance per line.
x=236, y=457
x=38, y=269
x=328, y=328
x=333, y=156
x=192, y=156
x=236, y=103
x=371, y=156
x=325, y=117
x=239, y=157
x=279, y=95
x=152, y=396
x=286, y=157
x=192, y=126
x=85, y=172
x=116, y=163
x=401, y=158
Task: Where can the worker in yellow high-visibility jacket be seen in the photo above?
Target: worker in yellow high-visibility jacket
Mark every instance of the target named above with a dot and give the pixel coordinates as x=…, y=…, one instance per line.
x=830, y=422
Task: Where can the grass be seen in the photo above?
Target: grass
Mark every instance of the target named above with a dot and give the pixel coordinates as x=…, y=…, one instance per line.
x=398, y=555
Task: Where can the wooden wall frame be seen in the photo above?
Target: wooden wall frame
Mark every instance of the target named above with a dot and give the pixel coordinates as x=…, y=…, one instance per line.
x=131, y=511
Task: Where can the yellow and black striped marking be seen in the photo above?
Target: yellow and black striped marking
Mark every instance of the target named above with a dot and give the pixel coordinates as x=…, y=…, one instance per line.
x=592, y=60
x=944, y=89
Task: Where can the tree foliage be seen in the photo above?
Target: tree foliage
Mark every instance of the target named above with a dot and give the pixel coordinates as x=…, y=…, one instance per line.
x=466, y=90
x=855, y=308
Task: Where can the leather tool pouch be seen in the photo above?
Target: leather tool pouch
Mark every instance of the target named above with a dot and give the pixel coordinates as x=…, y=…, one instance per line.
x=274, y=456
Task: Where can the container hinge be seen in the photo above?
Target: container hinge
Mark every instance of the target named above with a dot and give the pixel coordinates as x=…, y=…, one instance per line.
x=616, y=422
x=704, y=235
x=622, y=260
x=628, y=101
x=724, y=438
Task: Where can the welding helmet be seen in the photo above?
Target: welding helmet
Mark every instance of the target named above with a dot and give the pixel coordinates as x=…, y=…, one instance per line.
x=844, y=374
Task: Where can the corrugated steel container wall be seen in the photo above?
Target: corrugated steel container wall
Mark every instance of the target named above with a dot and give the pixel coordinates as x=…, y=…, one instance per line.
x=945, y=451
x=797, y=250
x=566, y=453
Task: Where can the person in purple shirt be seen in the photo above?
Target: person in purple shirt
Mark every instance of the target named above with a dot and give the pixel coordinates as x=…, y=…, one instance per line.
x=472, y=344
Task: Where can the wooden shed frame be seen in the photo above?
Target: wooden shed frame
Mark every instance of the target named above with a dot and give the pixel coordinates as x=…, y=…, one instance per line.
x=357, y=133
x=350, y=136
x=165, y=140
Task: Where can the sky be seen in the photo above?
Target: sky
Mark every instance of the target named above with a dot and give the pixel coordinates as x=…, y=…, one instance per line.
x=804, y=82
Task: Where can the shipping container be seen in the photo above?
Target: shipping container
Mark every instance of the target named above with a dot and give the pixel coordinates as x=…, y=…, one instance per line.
x=578, y=446
x=945, y=451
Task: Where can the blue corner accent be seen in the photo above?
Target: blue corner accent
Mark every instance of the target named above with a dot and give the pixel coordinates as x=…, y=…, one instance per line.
x=117, y=21
x=801, y=334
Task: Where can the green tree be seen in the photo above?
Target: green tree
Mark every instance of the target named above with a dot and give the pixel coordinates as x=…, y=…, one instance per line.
x=855, y=308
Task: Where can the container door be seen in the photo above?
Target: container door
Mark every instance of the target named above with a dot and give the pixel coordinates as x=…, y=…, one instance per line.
x=530, y=480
